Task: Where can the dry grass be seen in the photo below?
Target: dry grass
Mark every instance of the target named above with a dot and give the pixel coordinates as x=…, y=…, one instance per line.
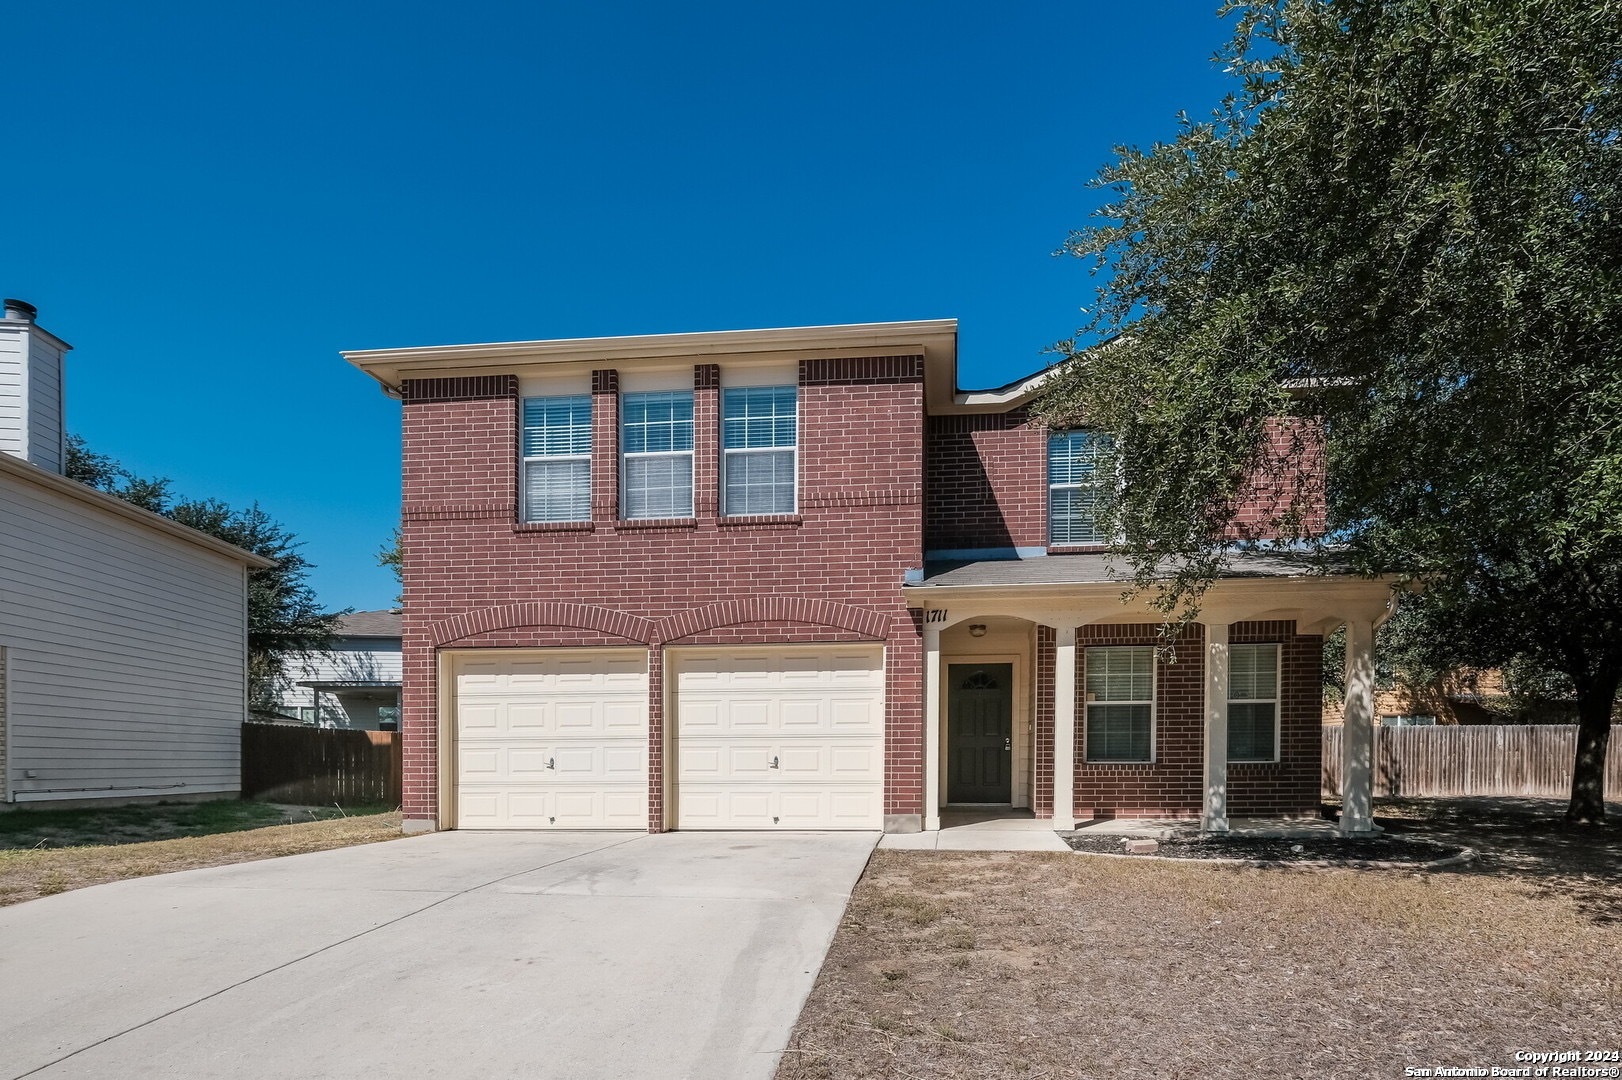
x=990, y=965
x=27, y=874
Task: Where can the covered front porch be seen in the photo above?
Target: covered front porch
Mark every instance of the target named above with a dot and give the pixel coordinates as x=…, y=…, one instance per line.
x=1014, y=717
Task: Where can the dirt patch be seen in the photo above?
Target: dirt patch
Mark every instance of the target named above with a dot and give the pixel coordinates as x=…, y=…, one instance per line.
x=35, y=828
x=27, y=874
x=1306, y=849
x=997, y=965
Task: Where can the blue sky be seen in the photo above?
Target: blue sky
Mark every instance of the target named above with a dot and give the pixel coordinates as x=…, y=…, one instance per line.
x=211, y=200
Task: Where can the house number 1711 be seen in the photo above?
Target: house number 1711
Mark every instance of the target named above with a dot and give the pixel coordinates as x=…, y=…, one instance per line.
x=937, y=616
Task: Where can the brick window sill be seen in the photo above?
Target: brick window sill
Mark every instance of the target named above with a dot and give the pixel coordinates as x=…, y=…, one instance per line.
x=553, y=526
x=747, y=520
x=632, y=524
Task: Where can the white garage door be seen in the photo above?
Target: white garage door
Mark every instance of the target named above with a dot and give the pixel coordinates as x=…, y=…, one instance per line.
x=787, y=737
x=555, y=739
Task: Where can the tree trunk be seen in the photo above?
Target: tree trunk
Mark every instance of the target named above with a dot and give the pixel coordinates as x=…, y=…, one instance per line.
x=1594, y=700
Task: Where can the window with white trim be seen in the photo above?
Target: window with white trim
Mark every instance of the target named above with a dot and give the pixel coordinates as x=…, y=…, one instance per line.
x=1074, y=483
x=1120, y=703
x=1253, y=678
x=759, y=445
x=656, y=436
x=556, y=448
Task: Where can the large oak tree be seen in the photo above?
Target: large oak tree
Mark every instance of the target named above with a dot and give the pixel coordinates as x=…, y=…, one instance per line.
x=1404, y=229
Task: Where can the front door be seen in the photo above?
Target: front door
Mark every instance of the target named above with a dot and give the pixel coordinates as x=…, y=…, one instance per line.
x=979, y=740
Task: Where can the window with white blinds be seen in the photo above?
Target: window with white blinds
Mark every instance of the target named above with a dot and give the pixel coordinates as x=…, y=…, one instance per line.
x=759, y=445
x=1120, y=703
x=656, y=433
x=1074, y=483
x=556, y=449
x=1253, y=703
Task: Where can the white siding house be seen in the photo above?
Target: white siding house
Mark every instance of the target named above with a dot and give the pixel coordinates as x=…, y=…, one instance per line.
x=123, y=635
x=353, y=684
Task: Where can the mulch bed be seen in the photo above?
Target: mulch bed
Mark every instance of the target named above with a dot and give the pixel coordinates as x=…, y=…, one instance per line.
x=1308, y=849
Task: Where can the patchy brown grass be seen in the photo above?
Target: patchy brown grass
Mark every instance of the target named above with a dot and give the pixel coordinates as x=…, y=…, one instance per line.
x=994, y=965
x=26, y=874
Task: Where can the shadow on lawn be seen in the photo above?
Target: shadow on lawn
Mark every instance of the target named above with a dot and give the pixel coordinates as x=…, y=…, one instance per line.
x=1525, y=839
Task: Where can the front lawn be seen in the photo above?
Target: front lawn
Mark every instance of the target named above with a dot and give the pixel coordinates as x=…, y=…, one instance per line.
x=51, y=851
x=993, y=965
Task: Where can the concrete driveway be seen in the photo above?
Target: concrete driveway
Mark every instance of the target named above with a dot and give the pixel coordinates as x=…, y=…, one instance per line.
x=486, y=955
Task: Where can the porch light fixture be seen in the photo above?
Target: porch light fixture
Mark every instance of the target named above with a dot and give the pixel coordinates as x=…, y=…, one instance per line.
x=977, y=629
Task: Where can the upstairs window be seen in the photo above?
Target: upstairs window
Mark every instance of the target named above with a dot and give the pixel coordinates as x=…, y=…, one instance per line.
x=556, y=447
x=759, y=441
x=1120, y=703
x=656, y=429
x=1073, y=486
x=1253, y=703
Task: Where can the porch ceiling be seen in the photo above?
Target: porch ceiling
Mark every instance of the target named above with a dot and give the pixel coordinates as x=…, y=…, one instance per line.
x=1078, y=589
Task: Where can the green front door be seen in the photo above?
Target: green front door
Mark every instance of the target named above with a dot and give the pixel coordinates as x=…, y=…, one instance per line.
x=979, y=734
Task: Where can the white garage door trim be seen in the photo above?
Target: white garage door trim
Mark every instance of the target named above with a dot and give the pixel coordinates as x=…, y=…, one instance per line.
x=545, y=738
x=775, y=737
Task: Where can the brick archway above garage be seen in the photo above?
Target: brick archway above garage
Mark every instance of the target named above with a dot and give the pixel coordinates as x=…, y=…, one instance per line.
x=870, y=624
x=507, y=616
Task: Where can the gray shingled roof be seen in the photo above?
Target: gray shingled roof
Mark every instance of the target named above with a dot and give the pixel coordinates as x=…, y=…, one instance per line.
x=1093, y=569
x=377, y=624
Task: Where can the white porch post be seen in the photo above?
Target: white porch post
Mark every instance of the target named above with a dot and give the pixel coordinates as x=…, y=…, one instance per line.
x=1357, y=732
x=1214, y=817
x=932, y=728
x=1064, y=728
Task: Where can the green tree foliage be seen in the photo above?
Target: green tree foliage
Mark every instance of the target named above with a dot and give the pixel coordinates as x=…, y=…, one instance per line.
x=1403, y=229
x=284, y=619
x=392, y=555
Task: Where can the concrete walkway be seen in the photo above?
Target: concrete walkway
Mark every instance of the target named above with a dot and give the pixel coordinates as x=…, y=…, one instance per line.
x=522, y=955
x=1002, y=833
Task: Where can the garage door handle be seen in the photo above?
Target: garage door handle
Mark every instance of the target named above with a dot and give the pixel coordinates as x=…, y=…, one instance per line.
x=551, y=763
x=774, y=763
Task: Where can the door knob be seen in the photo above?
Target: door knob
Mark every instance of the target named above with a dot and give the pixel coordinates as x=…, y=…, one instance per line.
x=1008, y=742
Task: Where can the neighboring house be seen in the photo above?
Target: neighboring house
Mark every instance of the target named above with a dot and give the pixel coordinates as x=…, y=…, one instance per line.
x=355, y=683
x=1464, y=696
x=123, y=635
x=797, y=579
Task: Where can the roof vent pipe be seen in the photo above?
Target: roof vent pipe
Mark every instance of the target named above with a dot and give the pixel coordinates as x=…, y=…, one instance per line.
x=21, y=309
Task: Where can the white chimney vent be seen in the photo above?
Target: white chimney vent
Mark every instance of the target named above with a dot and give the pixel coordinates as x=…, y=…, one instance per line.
x=31, y=425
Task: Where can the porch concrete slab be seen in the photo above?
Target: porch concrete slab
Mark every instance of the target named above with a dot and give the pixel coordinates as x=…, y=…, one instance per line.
x=1002, y=824
x=1000, y=840
x=964, y=839
x=448, y=955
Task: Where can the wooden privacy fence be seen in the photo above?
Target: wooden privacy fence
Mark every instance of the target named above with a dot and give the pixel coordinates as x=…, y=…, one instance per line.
x=1489, y=759
x=319, y=767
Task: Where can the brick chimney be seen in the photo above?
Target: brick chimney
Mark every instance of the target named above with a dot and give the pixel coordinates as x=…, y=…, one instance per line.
x=31, y=424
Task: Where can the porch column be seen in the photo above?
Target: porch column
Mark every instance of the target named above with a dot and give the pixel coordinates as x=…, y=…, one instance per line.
x=1214, y=816
x=1064, y=728
x=1357, y=732
x=932, y=728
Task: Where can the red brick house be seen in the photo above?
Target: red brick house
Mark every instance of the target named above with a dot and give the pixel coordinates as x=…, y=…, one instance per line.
x=797, y=579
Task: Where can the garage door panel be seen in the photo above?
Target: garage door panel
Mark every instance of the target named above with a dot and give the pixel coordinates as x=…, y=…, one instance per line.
x=553, y=740
x=802, y=714
x=524, y=716
x=479, y=717
x=786, y=737
x=852, y=715
x=526, y=764
x=626, y=718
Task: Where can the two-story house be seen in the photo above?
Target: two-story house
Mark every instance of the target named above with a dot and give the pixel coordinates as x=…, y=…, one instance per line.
x=797, y=579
